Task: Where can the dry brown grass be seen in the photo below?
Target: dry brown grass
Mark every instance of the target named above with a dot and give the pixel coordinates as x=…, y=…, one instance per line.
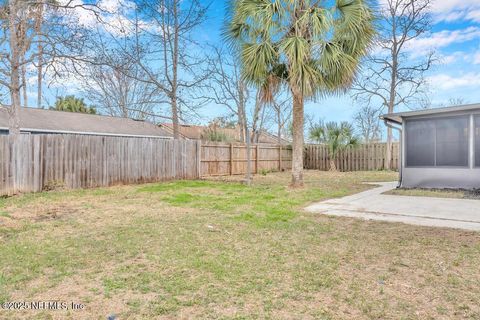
x=214, y=249
x=433, y=193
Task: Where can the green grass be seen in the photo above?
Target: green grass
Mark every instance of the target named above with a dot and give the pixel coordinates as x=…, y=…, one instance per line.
x=220, y=249
x=262, y=204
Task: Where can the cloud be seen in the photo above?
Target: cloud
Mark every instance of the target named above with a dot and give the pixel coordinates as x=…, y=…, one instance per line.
x=116, y=5
x=476, y=57
x=446, y=6
x=447, y=82
x=455, y=10
x=451, y=10
x=442, y=39
x=110, y=15
x=453, y=57
x=474, y=15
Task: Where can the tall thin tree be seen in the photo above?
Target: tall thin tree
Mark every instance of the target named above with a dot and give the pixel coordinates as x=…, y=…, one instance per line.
x=163, y=32
x=226, y=87
x=393, y=77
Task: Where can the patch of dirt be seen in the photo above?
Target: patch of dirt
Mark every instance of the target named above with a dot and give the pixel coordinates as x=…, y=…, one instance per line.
x=8, y=222
x=46, y=211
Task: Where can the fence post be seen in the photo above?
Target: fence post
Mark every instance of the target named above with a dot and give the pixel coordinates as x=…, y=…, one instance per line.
x=279, y=158
x=248, y=179
x=199, y=158
x=256, y=158
x=231, y=158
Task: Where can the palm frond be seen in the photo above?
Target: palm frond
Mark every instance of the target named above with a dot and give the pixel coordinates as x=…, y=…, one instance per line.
x=336, y=136
x=257, y=60
x=319, y=47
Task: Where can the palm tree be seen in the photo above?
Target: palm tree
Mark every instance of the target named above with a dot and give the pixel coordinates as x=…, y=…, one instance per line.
x=337, y=137
x=72, y=104
x=302, y=44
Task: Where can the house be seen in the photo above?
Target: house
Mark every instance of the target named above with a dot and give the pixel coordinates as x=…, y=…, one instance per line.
x=440, y=148
x=36, y=121
x=196, y=132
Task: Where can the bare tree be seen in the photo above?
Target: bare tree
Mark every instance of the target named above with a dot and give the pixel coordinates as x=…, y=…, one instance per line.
x=458, y=101
x=170, y=59
x=119, y=87
x=367, y=122
x=15, y=20
x=39, y=11
x=392, y=77
x=283, y=114
x=226, y=87
x=21, y=31
x=258, y=117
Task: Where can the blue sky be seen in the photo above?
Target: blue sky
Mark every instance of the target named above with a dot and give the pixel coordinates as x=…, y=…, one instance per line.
x=455, y=36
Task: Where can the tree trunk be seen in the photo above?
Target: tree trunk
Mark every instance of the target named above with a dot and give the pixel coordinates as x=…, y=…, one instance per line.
x=175, y=121
x=242, y=123
x=39, y=76
x=256, y=116
x=388, y=158
x=38, y=29
x=391, y=104
x=24, y=85
x=14, y=110
x=14, y=119
x=279, y=134
x=175, y=54
x=297, y=157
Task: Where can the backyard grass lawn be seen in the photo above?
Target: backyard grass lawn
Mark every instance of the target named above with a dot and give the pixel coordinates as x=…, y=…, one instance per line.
x=217, y=249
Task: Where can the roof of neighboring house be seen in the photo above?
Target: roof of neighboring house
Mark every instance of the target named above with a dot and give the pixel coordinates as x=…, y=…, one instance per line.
x=399, y=116
x=194, y=132
x=267, y=137
x=52, y=121
x=186, y=131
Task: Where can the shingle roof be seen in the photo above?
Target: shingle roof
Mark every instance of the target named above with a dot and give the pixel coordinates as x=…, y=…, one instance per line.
x=398, y=116
x=195, y=132
x=51, y=121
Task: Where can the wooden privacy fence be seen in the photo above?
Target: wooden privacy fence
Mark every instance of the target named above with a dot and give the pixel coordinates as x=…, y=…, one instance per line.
x=231, y=159
x=81, y=161
x=362, y=158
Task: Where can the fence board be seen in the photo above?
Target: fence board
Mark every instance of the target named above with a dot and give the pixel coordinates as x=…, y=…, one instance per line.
x=231, y=159
x=80, y=161
x=362, y=158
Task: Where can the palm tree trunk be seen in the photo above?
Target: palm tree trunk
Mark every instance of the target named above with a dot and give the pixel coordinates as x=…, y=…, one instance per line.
x=297, y=157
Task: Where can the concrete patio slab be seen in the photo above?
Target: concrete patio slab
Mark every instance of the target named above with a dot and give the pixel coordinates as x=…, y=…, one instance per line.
x=425, y=211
